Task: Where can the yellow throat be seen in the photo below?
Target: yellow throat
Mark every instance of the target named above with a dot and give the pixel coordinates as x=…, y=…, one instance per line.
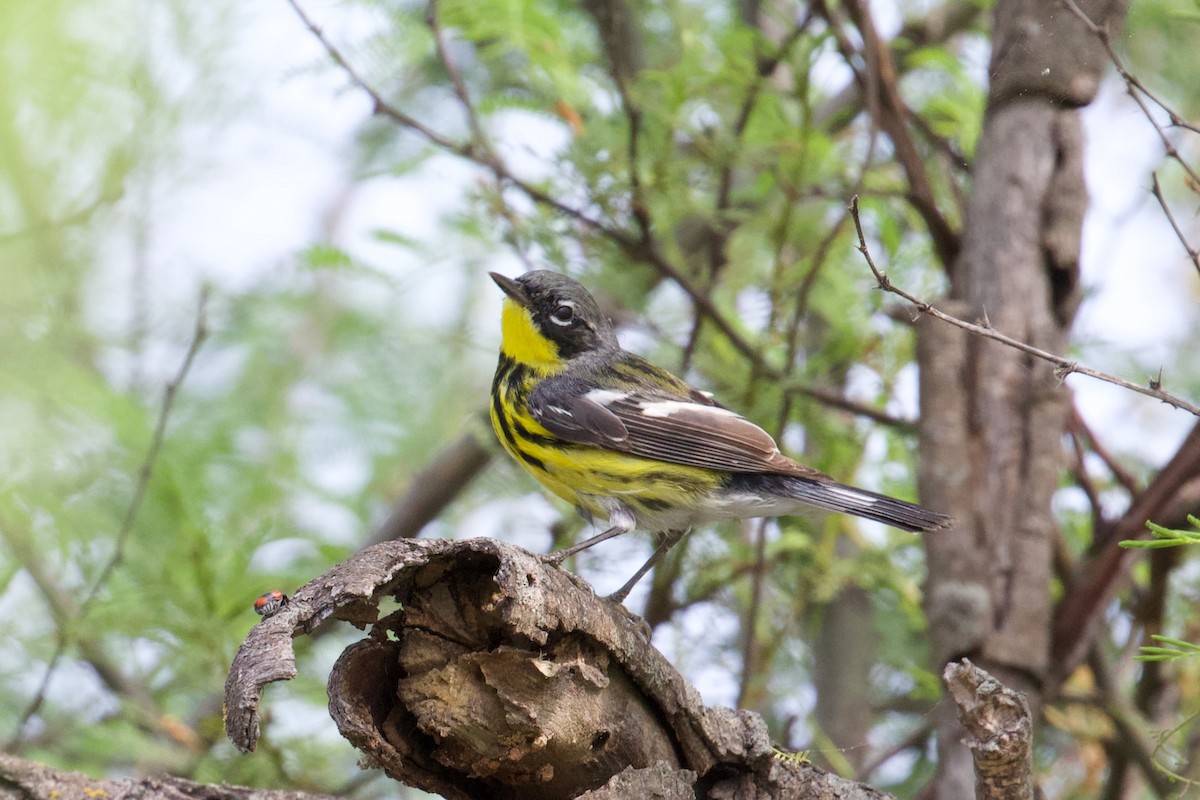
x=521, y=340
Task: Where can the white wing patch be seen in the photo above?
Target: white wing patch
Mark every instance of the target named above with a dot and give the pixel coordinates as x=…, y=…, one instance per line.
x=605, y=396
x=665, y=408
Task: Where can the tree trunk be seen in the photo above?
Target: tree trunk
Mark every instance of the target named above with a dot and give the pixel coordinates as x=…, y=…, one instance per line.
x=991, y=417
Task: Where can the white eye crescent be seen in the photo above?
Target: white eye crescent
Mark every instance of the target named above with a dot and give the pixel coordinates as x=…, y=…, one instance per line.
x=565, y=313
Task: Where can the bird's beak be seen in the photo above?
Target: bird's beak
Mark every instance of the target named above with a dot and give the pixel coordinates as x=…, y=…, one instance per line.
x=511, y=288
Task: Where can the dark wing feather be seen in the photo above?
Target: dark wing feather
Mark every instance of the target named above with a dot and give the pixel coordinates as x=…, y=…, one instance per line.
x=689, y=430
x=573, y=417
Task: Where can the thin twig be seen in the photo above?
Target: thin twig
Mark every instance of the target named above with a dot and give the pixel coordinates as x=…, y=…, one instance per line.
x=637, y=195
x=480, y=142
x=1128, y=725
x=835, y=400
x=456, y=82
x=720, y=232
x=915, y=740
x=1137, y=89
x=1063, y=366
x=765, y=68
x=880, y=80
x=1083, y=478
x=751, y=657
x=381, y=105
x=1193, y=253
x=199, y=334
x=145, y=472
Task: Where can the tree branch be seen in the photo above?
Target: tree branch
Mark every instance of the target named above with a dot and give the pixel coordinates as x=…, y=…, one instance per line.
x=1192, y=252
x=28, y=780
x=1137, y=89
x=1063, y=366
x=1076, y=613
x=892, y=116
x=434, y=486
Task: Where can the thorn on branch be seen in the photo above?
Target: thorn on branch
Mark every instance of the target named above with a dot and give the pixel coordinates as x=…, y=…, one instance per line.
x=1061, y=371
x=1156, y=382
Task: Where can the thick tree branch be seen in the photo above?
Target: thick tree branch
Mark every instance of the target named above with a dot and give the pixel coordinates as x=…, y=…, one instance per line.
x=501, y=677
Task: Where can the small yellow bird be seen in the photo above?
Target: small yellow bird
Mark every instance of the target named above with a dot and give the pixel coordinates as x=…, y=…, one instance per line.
x=624, y=440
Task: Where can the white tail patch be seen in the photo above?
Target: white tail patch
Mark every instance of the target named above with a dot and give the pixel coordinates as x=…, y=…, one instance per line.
x=850, y=494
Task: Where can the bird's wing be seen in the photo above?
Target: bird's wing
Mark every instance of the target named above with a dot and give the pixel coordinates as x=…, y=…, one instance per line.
x=689, y=430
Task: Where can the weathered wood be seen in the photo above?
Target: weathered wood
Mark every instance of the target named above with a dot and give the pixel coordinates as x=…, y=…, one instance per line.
x=501, y=677
x=1000, y=732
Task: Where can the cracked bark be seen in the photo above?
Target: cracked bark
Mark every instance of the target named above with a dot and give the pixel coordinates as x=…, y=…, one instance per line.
x=502, y=678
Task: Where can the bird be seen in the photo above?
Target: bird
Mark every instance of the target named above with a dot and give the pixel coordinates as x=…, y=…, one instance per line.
x=624, y=440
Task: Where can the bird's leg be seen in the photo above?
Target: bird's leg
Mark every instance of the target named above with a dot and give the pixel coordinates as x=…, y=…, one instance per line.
x=669, y=540
x=621, y=520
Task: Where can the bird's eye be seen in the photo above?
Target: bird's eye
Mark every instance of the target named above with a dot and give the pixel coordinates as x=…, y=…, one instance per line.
x=563, y=315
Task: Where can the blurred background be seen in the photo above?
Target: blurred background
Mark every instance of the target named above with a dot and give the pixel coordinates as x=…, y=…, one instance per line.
x=170, y=167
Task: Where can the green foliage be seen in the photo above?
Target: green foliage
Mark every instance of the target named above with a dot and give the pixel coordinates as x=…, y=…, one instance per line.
x=1166, y=537
x=1175, y=648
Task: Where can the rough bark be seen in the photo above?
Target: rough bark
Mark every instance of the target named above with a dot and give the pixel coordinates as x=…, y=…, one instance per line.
x=999, y=732
x=500, y=677
x=992, y=418
x=27, y=780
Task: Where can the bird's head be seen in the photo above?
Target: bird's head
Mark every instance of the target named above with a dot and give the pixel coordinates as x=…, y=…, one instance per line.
x=549, y=319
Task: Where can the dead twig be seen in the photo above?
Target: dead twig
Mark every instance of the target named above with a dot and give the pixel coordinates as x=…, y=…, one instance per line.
x=1193, y=253
x=1137, y=90
x=1140, y=93
x=1063, y=366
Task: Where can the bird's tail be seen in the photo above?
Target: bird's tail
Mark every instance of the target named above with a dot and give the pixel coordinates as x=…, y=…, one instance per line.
x=833, y=496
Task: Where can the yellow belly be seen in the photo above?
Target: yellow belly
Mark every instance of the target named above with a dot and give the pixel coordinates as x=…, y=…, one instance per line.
x=586, y=476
